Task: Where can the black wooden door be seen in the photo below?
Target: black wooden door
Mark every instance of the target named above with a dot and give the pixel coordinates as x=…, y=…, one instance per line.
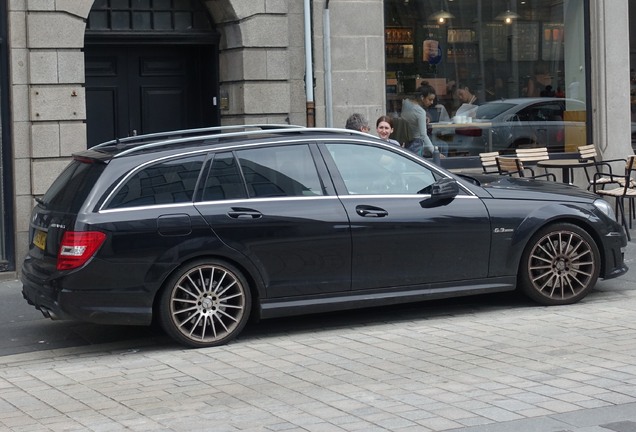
x=132, y=90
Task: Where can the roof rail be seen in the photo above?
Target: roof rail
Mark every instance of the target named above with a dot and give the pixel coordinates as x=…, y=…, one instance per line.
x=286, y=129
x=192, y=132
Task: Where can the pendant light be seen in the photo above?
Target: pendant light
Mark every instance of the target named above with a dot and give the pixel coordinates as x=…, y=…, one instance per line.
x=442, y=15
x=508, y=16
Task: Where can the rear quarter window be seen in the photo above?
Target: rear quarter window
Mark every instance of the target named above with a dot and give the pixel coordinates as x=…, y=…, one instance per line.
x=167, y=182
x=69, y=191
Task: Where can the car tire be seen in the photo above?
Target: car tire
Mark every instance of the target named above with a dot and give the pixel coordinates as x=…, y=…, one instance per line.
x=560, y=265
x=205, y=303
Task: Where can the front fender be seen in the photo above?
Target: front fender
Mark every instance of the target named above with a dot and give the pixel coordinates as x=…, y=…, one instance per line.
x=512, y=233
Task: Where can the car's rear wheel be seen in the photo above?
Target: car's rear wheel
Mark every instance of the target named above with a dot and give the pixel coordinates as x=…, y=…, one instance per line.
x=205, y=303
x=560, y=265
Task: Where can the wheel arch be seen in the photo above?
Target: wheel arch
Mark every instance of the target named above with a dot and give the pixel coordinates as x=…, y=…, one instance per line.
x=255, y=284
x=527, y=230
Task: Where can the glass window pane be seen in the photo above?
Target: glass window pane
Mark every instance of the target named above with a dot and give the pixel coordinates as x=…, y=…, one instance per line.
x=120, y=4
x=477, y=53
x=280, y=172
x=141, y=4
x=182, y=4
x=167, y=182
x=163, y=21
x=377, y=171
x=142, y=21
x=98, y=20
x=120, y=20
x=182, y=20
x=100, y=4
x=224, y=181
x=162, y=4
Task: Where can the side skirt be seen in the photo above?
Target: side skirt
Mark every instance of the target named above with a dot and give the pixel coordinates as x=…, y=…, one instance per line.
x=272, y=308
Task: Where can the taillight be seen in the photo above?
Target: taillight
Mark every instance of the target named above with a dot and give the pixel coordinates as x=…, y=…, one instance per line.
x=468, y=131
x=78, y=247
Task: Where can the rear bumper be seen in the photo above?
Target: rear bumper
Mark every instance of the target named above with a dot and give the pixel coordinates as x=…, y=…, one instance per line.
x=119, y=307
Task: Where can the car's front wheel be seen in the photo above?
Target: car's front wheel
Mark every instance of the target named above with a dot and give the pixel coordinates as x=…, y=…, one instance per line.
x=560, y=265
x=206, y=303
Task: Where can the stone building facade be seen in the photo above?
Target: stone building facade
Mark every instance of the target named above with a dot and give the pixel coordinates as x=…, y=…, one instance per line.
x=261, y=78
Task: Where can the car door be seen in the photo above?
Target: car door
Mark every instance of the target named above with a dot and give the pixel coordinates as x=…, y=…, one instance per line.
x=400, y=236
x=271, y=205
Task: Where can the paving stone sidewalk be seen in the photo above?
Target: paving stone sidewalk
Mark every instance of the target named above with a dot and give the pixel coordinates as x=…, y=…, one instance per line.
x=442, y=367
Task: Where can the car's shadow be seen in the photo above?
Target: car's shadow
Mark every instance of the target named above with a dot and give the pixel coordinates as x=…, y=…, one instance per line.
x=385, y=314
x=46, y=334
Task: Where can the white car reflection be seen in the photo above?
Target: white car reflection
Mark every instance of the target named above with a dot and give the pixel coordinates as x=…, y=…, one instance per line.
x=509, y=124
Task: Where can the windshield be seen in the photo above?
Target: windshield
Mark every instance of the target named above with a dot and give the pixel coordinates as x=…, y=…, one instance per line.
x=70, y=189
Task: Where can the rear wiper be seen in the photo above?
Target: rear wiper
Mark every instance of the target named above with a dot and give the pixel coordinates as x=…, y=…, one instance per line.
x=41, y=202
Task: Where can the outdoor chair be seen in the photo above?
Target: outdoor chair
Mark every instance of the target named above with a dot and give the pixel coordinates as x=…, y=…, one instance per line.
x=489, y=162
x=530, y=156
x=514, y=166
x=624, y=190
x=588, y=152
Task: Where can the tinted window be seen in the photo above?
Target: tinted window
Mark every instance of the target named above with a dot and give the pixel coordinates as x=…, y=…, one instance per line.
x=224, y=180
x=377, y=171
x=280, y=171
x=167, y=182
x=71, y=188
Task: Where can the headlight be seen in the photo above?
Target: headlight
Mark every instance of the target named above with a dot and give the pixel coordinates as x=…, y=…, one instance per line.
x=603, y=206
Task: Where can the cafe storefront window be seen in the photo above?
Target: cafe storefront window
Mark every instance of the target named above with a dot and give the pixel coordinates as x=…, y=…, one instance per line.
x=507, y=74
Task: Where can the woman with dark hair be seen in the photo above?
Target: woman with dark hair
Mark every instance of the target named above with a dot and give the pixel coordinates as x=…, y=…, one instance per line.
x=384, y=128
x=414, y=113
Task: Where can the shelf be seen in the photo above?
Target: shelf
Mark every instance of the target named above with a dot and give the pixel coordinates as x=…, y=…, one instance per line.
x=398, y=35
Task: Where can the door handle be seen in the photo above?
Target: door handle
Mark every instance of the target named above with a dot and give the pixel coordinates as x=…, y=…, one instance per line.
x=369, y=211
x=244, y=213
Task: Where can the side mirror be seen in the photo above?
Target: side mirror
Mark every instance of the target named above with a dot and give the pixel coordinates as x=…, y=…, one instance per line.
x=442, y=192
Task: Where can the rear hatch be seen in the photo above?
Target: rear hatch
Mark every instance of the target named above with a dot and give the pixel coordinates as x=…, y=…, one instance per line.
x=57, y=212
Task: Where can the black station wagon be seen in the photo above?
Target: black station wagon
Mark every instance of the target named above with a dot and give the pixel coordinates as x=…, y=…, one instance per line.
x=202, y=229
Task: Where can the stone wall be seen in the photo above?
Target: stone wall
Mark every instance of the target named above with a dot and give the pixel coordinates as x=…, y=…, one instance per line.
x=48, y=104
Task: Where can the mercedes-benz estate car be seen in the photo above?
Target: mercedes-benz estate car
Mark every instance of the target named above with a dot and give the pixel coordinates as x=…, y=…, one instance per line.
x=200, y=230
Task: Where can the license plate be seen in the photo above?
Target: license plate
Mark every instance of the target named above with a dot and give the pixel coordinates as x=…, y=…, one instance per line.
x=39, y=239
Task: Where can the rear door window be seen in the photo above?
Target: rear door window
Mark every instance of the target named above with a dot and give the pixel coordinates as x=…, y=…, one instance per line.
x=285, y=171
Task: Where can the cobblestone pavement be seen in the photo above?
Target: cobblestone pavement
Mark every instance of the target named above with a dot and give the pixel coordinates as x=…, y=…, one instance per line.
x=440, y=366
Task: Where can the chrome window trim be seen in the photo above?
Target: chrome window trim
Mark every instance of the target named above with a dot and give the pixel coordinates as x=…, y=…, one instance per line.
x=214, y=202
x=215, y=147
x=401, y=196
x=146, y=207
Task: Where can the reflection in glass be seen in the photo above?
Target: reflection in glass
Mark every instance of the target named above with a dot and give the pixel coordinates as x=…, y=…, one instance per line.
x=538, y=53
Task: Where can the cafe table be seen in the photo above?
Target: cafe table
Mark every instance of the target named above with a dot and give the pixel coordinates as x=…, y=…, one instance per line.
x=446, y=127
x=566, y=165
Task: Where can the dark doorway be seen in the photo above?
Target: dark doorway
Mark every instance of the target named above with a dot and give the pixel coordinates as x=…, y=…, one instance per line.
x=134, y=90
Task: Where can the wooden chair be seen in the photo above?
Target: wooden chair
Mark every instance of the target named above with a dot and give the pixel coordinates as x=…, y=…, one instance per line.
x=530, y=156
x=588, y=152
x=624, y=190
x=489, y=162
x=514, y=165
